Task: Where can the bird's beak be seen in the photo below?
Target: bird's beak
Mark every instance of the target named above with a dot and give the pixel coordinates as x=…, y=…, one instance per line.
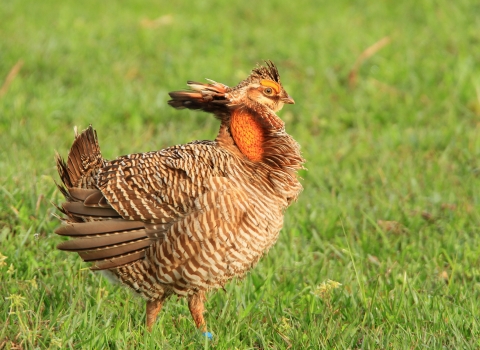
x=288, y=100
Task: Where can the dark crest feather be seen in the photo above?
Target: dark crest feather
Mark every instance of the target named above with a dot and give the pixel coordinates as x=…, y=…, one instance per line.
x=269, y=71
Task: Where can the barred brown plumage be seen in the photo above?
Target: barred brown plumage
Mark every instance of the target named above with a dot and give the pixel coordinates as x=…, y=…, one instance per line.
x=188, y=218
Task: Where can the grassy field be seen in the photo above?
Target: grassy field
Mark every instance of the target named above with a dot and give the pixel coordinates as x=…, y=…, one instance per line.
x=391, y=207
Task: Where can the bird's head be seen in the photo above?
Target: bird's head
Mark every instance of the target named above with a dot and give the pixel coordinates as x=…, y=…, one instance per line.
x=263, y=86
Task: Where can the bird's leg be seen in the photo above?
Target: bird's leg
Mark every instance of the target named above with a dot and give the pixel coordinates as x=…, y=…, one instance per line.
x=153, y=308
x=195, y=304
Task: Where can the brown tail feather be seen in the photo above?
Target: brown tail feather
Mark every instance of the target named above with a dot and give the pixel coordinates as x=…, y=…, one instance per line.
x=103, y=240
x=78, y=209
x=114, y=251
x=118, y=261
x=98, y=227
x=82, y=193
x=83, y=162
x=100, y=234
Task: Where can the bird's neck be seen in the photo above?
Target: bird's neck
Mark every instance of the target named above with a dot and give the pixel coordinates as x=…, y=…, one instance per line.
x=262, y=139
x=248, y=133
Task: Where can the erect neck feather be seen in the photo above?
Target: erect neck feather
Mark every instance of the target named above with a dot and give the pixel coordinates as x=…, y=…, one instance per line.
x=261, y=137
x=274, y=155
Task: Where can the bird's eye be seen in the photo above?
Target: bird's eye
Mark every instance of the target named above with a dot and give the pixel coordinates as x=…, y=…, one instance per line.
x=268, y=91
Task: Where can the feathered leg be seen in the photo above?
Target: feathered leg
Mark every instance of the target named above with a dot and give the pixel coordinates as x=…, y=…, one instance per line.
x=195, y=304
x=153, y=308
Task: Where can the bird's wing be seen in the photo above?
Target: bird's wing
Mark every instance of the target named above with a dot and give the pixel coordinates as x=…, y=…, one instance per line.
x=198, y=217
x=220, y=236
x=138, y=198
x=194, y=251
x=181, y=198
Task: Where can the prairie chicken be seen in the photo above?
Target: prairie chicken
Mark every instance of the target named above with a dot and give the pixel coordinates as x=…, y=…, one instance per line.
x=188, y=218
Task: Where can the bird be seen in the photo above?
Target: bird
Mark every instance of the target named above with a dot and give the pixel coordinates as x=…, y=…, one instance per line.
x=186, y=219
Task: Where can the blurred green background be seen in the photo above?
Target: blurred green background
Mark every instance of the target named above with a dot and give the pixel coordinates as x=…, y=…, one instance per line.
x=388, y=116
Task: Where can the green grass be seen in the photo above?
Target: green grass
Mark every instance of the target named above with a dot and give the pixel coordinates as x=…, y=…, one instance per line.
x=402, y=145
